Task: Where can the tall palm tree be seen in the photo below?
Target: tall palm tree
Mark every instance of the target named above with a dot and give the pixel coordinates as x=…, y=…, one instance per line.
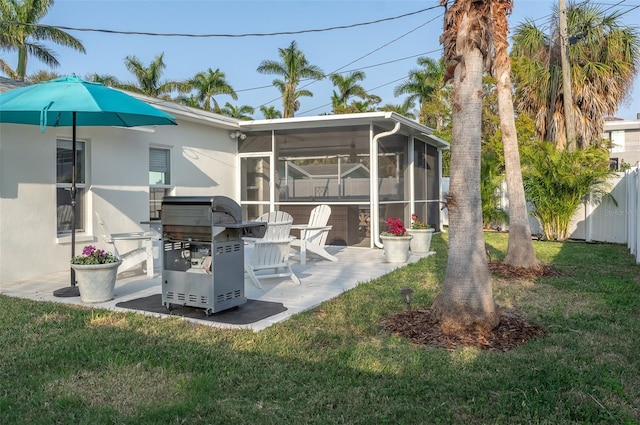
x=243, y=112
x=520, y=251
x=466, y=301
x=270, y=112
x=5, y=43
x=293, y=68
x=148, y=77
x=207, y=85
x=19, y=29
x=347, y=86
x=604, y=58
x=423, y=85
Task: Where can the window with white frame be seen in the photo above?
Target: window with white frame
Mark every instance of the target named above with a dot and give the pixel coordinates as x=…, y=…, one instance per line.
x=159, y=179
x=64, y=158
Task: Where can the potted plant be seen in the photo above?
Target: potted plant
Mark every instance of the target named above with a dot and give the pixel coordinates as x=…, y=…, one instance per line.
x=96, y=271
x=421, y=232
x=395, y=241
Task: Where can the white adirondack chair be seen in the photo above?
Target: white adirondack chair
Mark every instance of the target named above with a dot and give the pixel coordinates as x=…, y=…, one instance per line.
x=313, y=235
x=271, y=253
x=278, y=225
x=136, y=256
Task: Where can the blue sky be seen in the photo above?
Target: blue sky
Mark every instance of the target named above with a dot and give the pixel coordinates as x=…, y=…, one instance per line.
x=385, y=51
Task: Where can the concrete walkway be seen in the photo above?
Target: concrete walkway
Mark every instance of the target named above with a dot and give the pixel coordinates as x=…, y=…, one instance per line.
x=320, y=280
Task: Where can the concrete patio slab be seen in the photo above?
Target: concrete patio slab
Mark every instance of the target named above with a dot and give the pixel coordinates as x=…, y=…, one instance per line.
x=320, y=280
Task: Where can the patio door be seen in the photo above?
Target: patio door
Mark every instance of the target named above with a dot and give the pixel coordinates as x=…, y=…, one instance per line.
x=257, y=184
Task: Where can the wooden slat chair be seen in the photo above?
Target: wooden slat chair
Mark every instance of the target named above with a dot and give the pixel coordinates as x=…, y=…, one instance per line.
x=313, y=235
x=136, y=256
x=271, y=253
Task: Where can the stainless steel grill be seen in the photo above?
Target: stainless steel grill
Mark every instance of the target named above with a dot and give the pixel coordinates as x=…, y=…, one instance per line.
x=203, y=252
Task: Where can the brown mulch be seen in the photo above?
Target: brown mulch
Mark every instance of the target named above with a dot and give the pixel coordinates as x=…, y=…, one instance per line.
x=504, y=270
x=421, y=328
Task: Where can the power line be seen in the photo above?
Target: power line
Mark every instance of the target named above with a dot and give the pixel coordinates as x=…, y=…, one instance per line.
x=367, y=54
x=158, y=34
x=375, y=88
x=350, y=70
x=390, y=42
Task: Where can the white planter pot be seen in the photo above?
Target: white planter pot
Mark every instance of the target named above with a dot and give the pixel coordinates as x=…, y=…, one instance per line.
x=96, y=281
x=421, y=242
x=396, y=248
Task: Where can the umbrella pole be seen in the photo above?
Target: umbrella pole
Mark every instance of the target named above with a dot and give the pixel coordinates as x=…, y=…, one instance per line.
x=72, y=290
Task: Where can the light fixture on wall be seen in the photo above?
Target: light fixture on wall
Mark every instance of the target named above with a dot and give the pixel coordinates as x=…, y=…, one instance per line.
x=235, y=135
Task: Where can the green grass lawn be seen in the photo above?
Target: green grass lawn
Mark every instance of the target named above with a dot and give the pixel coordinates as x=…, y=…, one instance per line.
x=335, y=364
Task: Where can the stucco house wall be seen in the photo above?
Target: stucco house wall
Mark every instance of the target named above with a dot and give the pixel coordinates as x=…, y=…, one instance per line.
x=624, y=136
x=203, y=161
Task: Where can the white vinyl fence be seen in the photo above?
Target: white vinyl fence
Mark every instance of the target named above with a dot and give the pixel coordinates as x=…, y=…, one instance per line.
x=612, y=219
x=633, y=212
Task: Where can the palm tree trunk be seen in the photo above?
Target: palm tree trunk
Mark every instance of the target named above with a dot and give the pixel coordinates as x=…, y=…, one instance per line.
x=466, y=301
x=21, y=68
x=520, y=251
x=520, y=247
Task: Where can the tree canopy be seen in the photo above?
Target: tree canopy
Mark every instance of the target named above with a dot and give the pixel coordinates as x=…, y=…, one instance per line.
x=18, y=32
x=604, y=57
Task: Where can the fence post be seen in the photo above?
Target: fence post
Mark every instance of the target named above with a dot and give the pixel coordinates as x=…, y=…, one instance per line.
x=636, y=213
x=633, y=202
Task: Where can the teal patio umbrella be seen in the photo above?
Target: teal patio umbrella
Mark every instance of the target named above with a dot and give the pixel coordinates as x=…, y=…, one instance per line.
x=73, y=102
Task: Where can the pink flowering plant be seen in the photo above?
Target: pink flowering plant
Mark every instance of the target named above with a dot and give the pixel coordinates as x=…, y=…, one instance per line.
x=395, y=227
x=93, y=255
x=417, y=224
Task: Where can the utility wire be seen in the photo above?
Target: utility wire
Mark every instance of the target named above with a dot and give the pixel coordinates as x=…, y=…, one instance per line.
x=374, y=88
x=375, y=65
x=365, y=55
x=158, y=34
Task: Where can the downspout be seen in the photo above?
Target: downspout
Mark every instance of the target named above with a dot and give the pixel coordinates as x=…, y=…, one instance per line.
x=272, y=173
x=440, y=209
x=412, y=175
x=375, y=219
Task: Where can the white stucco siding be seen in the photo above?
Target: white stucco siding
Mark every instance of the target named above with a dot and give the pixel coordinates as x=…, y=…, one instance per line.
x=118, y=176
x=202, y=163
x=28, y=203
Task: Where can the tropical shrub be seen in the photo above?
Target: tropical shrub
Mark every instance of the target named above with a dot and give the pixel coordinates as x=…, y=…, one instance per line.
x=556, y=182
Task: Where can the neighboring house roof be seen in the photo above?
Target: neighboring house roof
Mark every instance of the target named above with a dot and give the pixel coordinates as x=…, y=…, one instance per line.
x=622, y=125
x=7, y=84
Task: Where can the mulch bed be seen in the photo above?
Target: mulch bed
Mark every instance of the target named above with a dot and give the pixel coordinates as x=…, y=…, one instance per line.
x=506, y=271
x=420, y=327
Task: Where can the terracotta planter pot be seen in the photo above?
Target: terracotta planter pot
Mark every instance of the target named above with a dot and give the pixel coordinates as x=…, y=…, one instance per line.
x=421, y=242
x=396, y=248
x=96, y=281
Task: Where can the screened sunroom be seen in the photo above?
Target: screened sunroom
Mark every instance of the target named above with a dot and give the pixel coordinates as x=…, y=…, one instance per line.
x=367, y=167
